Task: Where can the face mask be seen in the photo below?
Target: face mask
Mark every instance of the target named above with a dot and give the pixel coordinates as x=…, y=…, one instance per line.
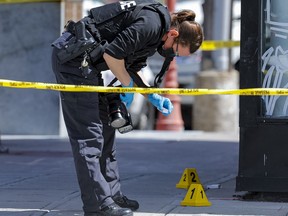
x=166, y=52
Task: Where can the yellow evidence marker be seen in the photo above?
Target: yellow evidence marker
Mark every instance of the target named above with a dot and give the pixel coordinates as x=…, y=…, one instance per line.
x=189, y=177
x=195, y=196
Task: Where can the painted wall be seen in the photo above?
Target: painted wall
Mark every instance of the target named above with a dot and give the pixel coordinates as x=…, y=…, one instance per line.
x=26, y=32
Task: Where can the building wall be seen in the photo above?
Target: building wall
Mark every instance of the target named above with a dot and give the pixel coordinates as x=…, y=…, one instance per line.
x=26, y=33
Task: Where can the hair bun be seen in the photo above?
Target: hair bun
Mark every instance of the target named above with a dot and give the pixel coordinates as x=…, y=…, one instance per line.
x=191, y=15
x=185, y=15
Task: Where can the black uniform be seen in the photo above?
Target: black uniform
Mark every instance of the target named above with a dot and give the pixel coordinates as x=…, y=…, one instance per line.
x=132, y=36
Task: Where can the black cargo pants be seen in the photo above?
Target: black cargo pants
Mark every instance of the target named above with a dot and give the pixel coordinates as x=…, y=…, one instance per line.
x=91, y=138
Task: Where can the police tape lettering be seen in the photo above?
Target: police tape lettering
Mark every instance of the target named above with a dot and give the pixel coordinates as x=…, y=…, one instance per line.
x=179, y=91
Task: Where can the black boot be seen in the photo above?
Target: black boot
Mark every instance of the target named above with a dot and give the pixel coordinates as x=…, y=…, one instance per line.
x=112, y=210
x=124, y=202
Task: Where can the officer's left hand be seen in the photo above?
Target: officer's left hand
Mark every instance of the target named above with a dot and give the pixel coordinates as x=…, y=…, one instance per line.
x=163, y=104
x=127, y=98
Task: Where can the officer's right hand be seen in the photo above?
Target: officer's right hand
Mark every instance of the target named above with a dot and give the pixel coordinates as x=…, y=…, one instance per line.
x=127, y=98
x=163, y=104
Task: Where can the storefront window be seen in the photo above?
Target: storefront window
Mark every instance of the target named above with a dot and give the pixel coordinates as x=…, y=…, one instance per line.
x=274, y=61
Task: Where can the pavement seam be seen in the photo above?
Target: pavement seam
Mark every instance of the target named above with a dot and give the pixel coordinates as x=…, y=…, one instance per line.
x=53, y=205
x=23, y=180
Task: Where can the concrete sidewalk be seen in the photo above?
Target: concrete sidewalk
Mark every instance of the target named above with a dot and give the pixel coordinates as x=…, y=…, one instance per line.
x=37, y=177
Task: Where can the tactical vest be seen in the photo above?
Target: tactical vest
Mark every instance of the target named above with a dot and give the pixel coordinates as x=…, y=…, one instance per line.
x=106, y=12
x=103, y=14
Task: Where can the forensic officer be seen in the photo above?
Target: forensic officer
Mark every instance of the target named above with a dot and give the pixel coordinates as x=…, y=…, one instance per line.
x=118, y=36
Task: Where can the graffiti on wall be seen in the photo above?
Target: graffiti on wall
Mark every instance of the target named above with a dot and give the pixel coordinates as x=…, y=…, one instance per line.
x=275, y=64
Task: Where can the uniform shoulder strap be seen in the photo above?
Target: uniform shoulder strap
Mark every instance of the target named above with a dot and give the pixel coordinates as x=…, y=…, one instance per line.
x=157, y=7
x=165, y=20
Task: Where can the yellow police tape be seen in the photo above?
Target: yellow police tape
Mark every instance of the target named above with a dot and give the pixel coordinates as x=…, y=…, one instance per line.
x=26, y=1
x=210, y=45
x=179, y=91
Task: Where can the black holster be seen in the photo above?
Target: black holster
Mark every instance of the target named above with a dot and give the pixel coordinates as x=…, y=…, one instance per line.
x=82, y=42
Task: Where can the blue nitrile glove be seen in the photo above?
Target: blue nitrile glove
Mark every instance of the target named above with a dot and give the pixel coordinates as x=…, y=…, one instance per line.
x=163, y=104
x=127, y=98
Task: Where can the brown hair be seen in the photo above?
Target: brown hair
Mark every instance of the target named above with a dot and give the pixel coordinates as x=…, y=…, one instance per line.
x=190, y=32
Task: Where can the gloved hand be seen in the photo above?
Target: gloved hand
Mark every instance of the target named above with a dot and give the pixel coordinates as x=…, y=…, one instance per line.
x=163, y=104
x=127, y=98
